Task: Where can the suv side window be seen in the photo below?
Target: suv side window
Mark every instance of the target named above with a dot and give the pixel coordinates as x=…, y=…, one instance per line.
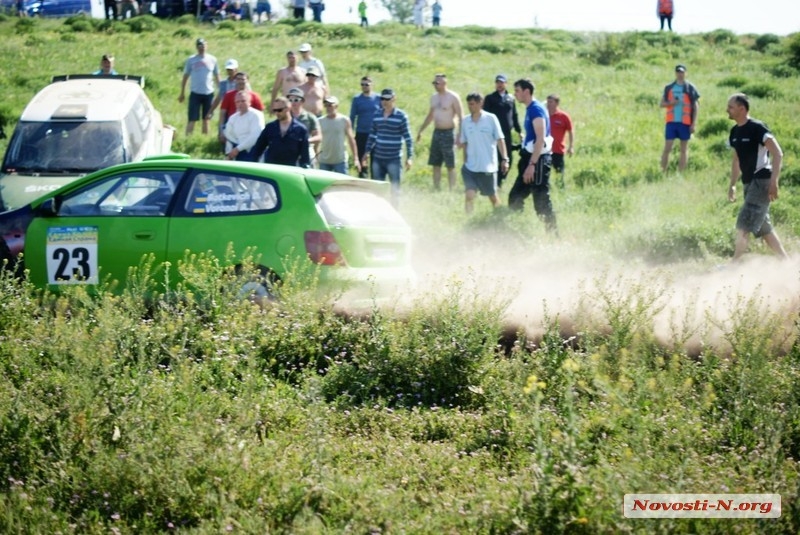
x=221, y=193
x=143, y=193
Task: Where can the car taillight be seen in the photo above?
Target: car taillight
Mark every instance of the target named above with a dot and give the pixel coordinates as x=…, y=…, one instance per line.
x=322, y=248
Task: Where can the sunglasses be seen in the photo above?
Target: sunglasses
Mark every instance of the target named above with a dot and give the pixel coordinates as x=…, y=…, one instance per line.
x=364, y=84
x=386, y=98
x=295, y=100
x=278, y=110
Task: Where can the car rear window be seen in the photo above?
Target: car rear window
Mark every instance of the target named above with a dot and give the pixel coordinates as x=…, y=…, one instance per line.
x=352, y=207
x=222, y=193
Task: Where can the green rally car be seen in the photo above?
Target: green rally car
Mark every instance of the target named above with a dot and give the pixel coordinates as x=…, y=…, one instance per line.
x=97, y=227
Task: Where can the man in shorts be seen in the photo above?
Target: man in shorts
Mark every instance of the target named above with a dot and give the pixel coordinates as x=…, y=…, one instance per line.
x=680, y=99
x=203, y=71
x=753, y=144
x=481, y=138
x=445, y=110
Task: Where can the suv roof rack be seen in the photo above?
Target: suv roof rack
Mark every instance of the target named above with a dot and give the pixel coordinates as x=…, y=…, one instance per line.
x=125, y=77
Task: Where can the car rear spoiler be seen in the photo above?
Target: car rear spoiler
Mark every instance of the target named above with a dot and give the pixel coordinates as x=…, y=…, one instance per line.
x=126, y=77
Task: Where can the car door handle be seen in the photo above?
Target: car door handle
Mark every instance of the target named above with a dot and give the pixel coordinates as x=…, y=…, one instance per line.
x=144, y=235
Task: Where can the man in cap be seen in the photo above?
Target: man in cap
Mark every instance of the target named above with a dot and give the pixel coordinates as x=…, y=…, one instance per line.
x=336, y=131
x=296, y=100
x=385, y=143
x=481, y=139
x=445, y=111
x=362, y=110
x=503, y=105
x=307, y=60
x=225, y=85
x=680, y=99
x=288, y=77
x=106, y=66
x=313, y=91
x=203, y=71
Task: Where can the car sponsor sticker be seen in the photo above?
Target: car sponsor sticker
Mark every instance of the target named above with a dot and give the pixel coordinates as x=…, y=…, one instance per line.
x=72, y=255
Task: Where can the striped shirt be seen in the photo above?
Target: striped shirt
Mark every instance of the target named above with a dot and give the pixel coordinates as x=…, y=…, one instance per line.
x=388, y=133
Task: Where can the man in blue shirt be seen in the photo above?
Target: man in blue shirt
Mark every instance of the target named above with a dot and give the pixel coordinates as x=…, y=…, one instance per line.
x=535, y=159
x=362, y=110
x=385, y=143
x=285, y=139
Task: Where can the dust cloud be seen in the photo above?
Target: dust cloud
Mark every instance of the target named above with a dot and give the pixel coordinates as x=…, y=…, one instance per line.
x=688, y=305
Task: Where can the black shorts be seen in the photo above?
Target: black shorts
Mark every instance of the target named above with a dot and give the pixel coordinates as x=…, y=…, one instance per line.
x=199, y=103
x=558, y=162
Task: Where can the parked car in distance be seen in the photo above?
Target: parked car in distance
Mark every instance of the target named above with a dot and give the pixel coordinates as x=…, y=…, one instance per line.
x=97, y=227
x=76, y=125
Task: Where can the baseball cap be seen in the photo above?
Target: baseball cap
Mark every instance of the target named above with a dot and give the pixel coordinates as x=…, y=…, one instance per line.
x=680, y=68
x=387, y=93
x=231, y=64
x=313, y=71
x=331, y=100
x=296, y=92
x=305, y=47
x=501, y=78
x=200, y=41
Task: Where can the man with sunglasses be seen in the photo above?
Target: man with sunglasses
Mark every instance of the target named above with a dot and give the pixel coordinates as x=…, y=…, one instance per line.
x=285, y=139
x=362, y=110
x=296, y=99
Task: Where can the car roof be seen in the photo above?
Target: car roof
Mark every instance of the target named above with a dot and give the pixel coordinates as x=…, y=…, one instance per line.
x=97, y=98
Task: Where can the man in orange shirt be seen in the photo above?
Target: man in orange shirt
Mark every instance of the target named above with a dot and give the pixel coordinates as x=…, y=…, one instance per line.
x=664, y=10
x=680, y=99
x=560, y=126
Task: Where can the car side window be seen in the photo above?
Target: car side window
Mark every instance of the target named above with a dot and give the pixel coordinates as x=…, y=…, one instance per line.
x=144, y=193
x=222, y=193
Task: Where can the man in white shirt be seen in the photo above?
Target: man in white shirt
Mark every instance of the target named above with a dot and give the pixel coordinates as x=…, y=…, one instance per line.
x=242, y=129
x=481, y=138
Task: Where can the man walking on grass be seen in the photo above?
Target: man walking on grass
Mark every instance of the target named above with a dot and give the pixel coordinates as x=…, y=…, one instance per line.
x=481, y=138
x=445, y=110
x=753, y=144
x=535, y=161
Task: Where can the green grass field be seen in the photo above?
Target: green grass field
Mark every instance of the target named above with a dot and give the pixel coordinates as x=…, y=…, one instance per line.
x=524, y=387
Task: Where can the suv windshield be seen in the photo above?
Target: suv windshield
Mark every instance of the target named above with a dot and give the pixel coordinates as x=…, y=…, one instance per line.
x=64, y=147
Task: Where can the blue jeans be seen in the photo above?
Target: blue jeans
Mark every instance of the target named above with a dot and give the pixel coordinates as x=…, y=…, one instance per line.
x=335, y=167
x=381, y=168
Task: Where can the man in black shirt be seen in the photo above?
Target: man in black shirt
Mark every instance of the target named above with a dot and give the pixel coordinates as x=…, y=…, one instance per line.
x=753, y=144
x=503, y=105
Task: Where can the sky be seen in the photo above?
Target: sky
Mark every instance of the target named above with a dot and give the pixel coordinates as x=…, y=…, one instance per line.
x=780, y=17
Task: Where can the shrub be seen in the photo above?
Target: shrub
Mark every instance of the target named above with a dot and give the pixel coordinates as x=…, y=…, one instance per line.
x=492, y=48
x=733, y=81
x=25, y=25
x=626, y=65
x=790, y=176
x=82, y=25
x=720, y=37
x=794, y=51
x=782, y=70
x=719, y=148
x=373, y=66
x=714, y=127
x=144, y=24
x=676, y=242
x=762, y=90
x=610, y=50
x=647, y=99
x=183, y=33
x=765, y=40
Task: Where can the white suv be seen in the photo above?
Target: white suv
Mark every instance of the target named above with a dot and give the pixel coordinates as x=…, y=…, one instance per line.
x=78, y=124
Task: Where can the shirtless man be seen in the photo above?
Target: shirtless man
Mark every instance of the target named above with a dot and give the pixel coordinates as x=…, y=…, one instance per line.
x=314, y=92
x=288, y=77
x=445, y=111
